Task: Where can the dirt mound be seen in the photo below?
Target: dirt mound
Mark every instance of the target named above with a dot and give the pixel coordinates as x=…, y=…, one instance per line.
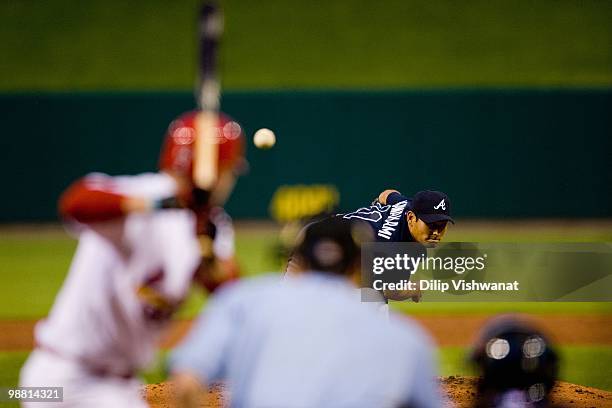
x=460, y=391
x=160, y=396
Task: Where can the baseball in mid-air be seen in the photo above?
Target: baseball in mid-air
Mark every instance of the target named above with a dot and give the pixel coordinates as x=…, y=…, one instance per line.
x=264, y=138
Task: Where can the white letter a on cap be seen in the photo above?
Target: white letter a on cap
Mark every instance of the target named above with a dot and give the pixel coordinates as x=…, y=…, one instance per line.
x=441, y=204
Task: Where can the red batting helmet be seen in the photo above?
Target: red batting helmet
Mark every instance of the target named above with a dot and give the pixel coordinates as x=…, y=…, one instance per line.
x=177, y=151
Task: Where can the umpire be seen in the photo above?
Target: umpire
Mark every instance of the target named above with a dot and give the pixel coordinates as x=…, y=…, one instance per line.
x=307, y=341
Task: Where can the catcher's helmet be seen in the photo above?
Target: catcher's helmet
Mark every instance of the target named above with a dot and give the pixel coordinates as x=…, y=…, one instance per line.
x=512, y=354
x=177, y=151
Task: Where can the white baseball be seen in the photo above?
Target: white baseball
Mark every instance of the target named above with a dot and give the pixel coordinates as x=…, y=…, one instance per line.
x=264, y=138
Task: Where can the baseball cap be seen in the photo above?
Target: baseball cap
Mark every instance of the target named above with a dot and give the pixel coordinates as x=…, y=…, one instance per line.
x=432, y=206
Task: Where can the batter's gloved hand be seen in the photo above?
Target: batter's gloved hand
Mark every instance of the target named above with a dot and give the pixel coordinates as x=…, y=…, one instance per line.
x=155, y=306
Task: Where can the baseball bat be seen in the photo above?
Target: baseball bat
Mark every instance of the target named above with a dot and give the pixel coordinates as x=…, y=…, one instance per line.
x=208, y=95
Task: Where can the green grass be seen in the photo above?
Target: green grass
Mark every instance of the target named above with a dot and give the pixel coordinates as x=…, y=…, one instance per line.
x=425, y=308
x=94, y=45
x=33, y=265
x=32, y=271
x=10, y=364
x=527, y=232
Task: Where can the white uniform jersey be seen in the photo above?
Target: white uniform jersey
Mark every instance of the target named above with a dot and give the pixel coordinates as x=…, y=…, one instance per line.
x=97, y=318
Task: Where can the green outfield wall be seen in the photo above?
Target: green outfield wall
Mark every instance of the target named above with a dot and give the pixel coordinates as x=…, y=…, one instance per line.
x=497, y=153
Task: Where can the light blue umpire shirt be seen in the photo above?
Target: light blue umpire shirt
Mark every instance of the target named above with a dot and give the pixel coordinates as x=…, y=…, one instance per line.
x=308, y=341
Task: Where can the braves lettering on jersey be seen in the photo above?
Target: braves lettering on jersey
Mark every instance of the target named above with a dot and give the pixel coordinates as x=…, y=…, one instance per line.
x=389, y=221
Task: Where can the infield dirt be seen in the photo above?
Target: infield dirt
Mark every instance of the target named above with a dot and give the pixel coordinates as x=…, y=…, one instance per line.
x=459, y=390
x=447, y=330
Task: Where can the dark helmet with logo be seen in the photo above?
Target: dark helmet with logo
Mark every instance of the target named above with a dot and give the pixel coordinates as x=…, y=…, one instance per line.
x=512, y=354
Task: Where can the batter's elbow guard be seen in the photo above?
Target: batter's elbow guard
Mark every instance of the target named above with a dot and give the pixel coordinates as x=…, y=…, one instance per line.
x=87, y=205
